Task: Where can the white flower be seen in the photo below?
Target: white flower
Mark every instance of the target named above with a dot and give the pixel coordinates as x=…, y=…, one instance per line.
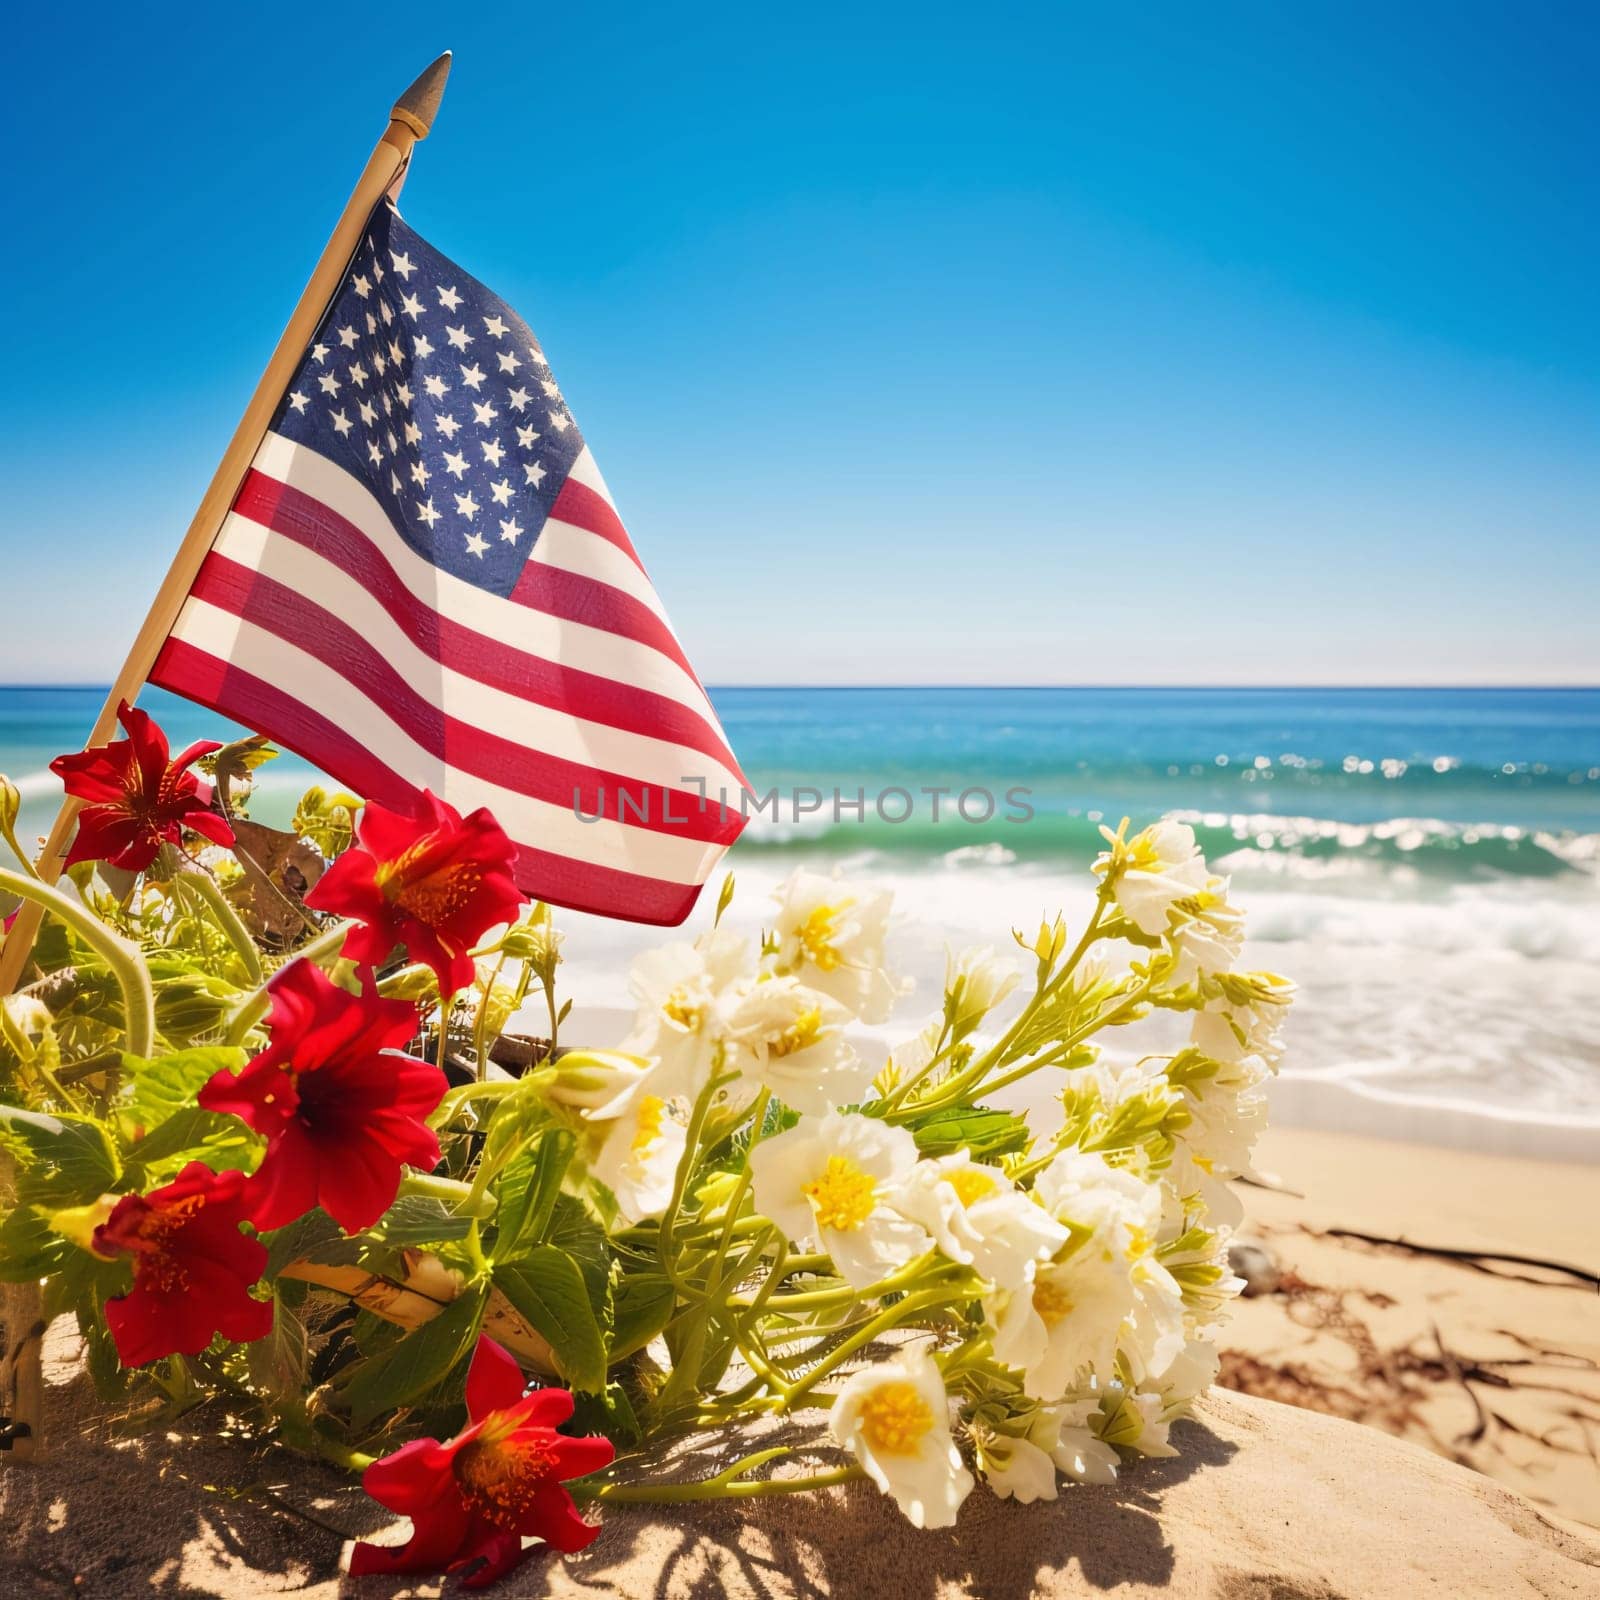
x=790, y=1039
x=1152, y=871
x=1188, y=1378
x=1017, y=1468
x=1076, y=1450
x=1065, y=1320
x=642, y=1141
x=1082, y=1188
x=831, y=938
x=979, y=1217
x=1211, y=939
x=684, y=993
x=895, y=1418
x=1227, y=1113
x=1133, y=1421
x=1245, y=1019
x=1105, y=1293
x=975, y=982
x=836, y=1179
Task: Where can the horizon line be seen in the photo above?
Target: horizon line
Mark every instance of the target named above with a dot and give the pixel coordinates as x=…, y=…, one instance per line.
x=1040, y=688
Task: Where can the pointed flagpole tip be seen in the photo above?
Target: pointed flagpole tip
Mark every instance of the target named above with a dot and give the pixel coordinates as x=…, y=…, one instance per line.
x=419, y=105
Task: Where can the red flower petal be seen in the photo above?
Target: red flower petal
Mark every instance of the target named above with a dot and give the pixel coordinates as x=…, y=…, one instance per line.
x=430, y=879
x=494, y=1380
x=192, y=1268
x=479, y=1496
x=342, y=1111
x=135, y=798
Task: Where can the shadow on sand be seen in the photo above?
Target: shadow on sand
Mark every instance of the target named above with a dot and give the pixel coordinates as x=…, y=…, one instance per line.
x=192, y=1513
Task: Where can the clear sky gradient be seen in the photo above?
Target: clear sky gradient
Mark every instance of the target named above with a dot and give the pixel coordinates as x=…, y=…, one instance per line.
x=1014, y=344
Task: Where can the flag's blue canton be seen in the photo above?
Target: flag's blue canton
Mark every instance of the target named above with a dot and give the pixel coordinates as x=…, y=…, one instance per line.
x=433, y=392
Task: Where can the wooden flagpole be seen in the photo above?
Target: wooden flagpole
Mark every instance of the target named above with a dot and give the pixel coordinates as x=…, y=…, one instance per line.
x=409, y=121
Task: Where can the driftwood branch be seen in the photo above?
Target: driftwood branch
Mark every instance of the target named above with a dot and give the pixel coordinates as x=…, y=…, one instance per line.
x=420, y=1296
x=1476, y=1259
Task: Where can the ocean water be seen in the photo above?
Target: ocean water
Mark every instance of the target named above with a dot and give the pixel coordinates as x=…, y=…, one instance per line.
x=1425, y=863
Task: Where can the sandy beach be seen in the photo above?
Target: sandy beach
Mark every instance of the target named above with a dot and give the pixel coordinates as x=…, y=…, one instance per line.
x=1480, y=1360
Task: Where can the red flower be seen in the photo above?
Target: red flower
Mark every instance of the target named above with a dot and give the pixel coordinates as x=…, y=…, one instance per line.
x=489, y=1487
x=138, y=799
x=435, y=882
x=342, y=1109
x=192, y=1268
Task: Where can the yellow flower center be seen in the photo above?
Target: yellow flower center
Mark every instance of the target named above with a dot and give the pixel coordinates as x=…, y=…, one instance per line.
x=1051, y=1301
x=1143, y=855
x=972, y=1183
x=647, y=1130
x=501, y=1471
x=895, y=1418
x=431, y=894
x=681, y=1009
x=800, y=1035
x=816, y=935
x=843, y=1197
x=1139, y=1243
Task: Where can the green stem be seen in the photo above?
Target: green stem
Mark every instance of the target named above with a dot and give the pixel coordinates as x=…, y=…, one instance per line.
x=124, y=958
x=480, y=1026
x=258, y=1002
x=458, y=1196
x=9, y=833
x=995, y=1055
x=680, y=1181
x=900, y=1311
x=227, y=919
x=941, y=1050
x=475, y=1255
x=720, y=1488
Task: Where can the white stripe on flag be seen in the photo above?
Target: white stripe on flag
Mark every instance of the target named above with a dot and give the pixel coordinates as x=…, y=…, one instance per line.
x=536, y=823
x=590, y=649
x=557, y=733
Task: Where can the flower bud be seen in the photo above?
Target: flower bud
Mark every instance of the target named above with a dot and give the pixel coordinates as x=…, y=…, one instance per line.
x=593, y=1081
x=10, y=804
x=975, y=982
x=536, y=942
x=78, y=1223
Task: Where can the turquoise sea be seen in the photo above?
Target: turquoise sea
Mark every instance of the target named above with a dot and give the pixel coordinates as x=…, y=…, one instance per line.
x=1464, y=783
x=1424, y=862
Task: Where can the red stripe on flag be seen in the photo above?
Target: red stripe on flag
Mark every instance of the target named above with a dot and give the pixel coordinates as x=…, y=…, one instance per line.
x=560, y=880
x=574, y=598
x=309, y=523
x=579, y=505
x=299, y=621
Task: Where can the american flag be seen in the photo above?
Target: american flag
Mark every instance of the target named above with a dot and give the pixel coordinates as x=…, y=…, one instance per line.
x=423, y=583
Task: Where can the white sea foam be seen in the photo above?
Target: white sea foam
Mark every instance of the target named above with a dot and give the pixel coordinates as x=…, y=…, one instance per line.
x=37, y=785
x=1465, y=1017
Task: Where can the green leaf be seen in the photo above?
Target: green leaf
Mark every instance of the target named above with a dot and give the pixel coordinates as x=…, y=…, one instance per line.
x=313, y=1237
x=609, y=1412
x=548, y=1288
x=277, y=1362
x=420, y=1219
x=575, y=1231
x=972, y=1128
x=641, y=1306
x=168, y=1084
x=63, y=1161
x=404, y=1373
x=528, y=1189
x=221, y=1142
x=30, y=1248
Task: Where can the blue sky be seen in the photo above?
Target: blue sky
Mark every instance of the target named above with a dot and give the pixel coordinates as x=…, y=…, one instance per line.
x=1245, y=343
